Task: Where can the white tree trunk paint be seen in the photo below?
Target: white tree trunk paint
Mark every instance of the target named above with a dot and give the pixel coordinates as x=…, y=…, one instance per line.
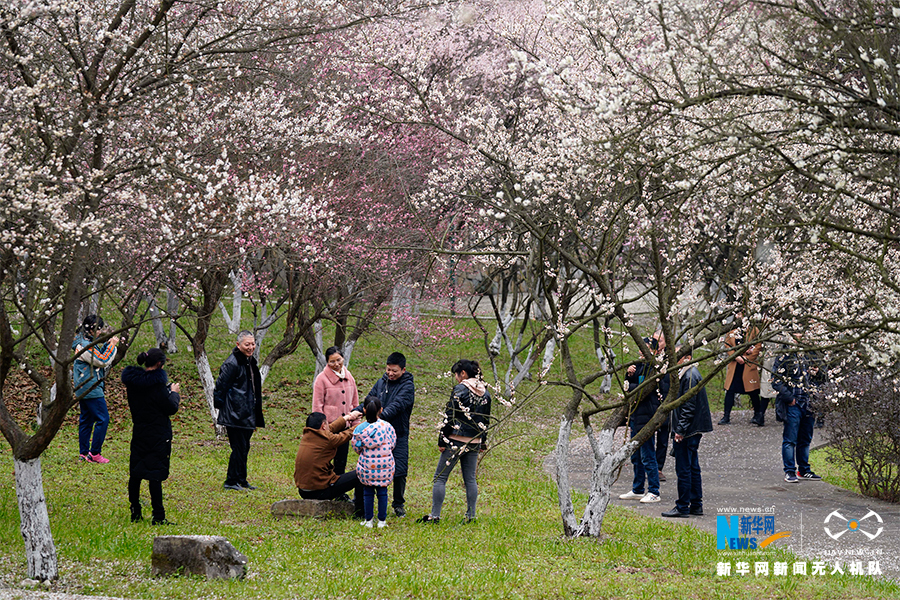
x=563, y=485
x=496, y=344
x=348, y=351
x=319, y=350
x=172, y=309
x=40, y=553
x=549, y=355
x=233, y=322
x=159, y=331
x=209, y=385
x=607, y=462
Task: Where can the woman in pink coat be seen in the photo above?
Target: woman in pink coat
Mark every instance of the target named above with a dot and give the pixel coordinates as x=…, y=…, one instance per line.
x=374, y=440
x=335, y=394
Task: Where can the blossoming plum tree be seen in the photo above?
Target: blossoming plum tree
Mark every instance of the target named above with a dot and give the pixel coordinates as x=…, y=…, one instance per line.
x=116, y=115
x=647, y=153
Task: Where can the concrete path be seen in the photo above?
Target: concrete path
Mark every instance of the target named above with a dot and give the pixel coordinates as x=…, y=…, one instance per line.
x=742, y=470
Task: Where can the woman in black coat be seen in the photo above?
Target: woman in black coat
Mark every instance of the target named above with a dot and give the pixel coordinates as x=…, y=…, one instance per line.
x=463, y=436
x=152, y=401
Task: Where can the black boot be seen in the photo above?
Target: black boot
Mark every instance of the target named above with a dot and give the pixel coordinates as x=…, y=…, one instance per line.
x=159, y=518
x=136, y=513
x=399, y=496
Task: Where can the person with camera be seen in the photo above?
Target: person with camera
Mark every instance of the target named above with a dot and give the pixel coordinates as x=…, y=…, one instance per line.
x=152, y=401
x=314, y=473
x=92, y=359
x=793, y=376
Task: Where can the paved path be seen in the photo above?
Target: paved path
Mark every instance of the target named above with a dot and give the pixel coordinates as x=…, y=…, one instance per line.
x=741, y=466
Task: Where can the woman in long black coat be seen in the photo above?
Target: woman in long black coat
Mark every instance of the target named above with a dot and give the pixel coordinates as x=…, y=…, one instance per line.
x=152, y=401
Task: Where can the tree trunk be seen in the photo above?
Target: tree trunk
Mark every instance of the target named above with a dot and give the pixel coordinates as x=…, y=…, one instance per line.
x=159, y=332
x=608, y=461
x=261, y=326
x=209, y=385
x=348, y=351
x=319, y=350
x=40, y=553
x=563, y=485
x=261, y=329
x=172, y=309
x=549, y=354
x=233, y=322
x=503, y=324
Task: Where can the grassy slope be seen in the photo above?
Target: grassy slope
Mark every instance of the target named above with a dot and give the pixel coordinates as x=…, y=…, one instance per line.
x=514, y=550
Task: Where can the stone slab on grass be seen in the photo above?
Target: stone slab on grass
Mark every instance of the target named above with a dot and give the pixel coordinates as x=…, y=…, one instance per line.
x=312, y=508
x=209, y=555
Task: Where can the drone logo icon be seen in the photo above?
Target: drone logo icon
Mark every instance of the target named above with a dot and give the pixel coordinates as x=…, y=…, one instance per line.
x=852, y=525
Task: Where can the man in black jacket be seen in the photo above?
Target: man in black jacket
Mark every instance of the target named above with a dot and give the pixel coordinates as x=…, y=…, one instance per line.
x=238, y=398
x=397, y=394
x=689, y=422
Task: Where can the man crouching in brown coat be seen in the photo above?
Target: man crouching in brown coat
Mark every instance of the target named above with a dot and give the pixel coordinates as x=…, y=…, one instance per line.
x=314, y=470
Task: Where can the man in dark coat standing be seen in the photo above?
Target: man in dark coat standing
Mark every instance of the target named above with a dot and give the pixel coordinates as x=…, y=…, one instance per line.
x=397, y=394
x=238, y=398
x=689, y=422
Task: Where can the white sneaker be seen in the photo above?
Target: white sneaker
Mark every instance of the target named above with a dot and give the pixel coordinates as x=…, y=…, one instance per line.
x=366, y=524
x=381, y=524
x=649, y=498
x=630, y=496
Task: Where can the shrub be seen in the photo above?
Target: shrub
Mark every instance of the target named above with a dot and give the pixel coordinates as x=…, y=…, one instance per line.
x=862, y=414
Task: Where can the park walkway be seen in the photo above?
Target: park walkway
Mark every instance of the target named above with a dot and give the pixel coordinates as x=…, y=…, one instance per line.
x=741, y=466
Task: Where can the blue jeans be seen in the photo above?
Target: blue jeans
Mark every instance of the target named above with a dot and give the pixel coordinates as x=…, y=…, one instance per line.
x=645, y=467
x=798, y=432
x=687, y=468
x=467, y=456
x=94, y=417
x=662, y=442
x=369, y=493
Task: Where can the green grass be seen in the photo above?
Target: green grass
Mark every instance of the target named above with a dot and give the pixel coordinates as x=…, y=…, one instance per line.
x=514, y=550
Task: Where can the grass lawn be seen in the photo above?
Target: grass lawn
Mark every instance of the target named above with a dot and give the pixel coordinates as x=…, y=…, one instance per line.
x=513, y=550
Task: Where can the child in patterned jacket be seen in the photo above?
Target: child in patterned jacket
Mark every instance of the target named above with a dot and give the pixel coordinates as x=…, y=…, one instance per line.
x=374, y=441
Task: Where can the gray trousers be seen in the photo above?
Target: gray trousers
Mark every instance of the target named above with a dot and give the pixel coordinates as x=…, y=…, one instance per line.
x=467, y=456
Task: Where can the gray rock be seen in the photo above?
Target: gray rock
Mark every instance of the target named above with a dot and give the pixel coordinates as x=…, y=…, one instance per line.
x=312, y=508
x=208, y=555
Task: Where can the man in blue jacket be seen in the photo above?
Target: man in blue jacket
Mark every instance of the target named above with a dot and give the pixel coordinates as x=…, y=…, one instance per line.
x=238, y=398
x=689, y=422
x=397, y=394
